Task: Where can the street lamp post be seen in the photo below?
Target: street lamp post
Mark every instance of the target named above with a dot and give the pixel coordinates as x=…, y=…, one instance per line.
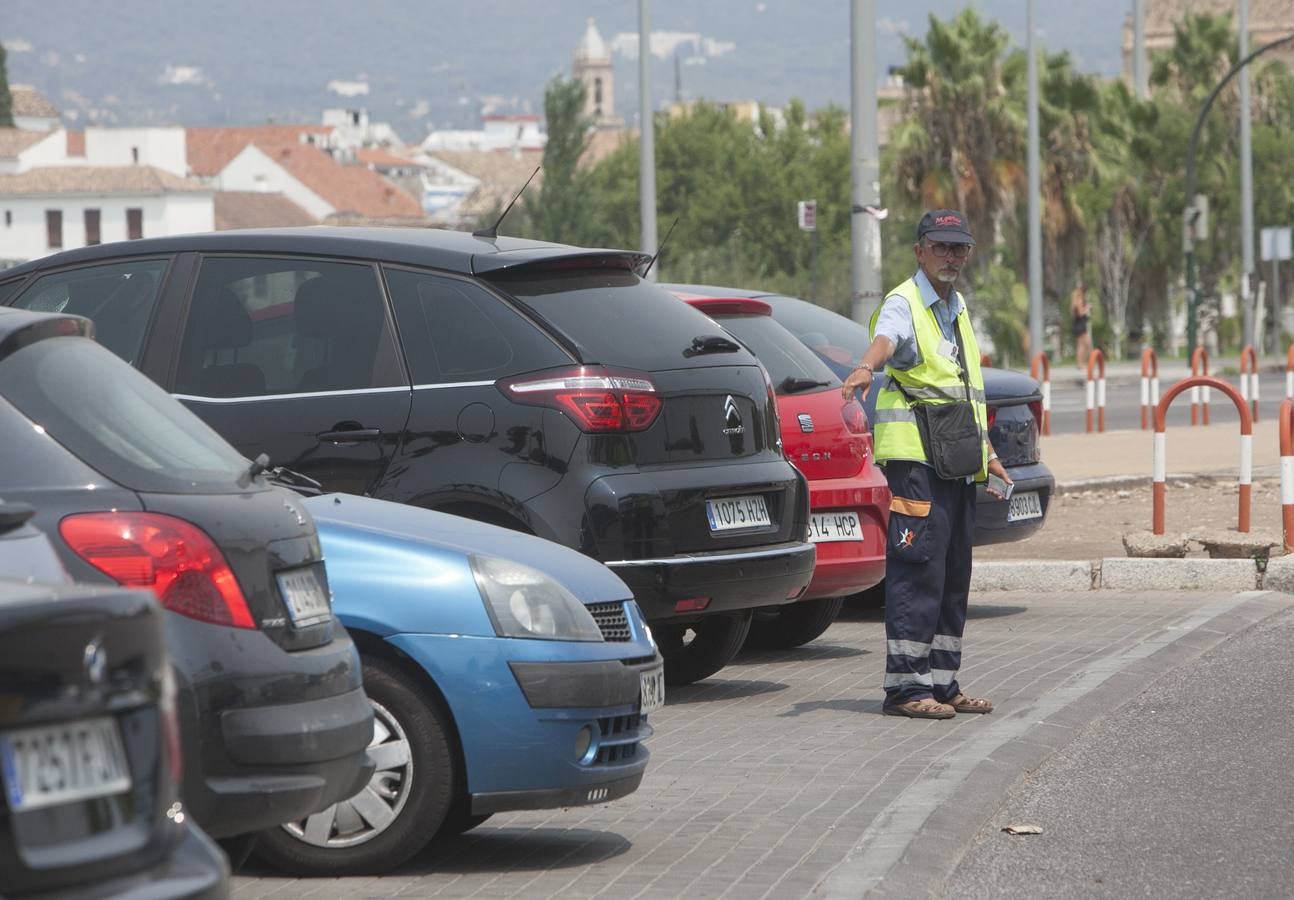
x=647, y=137
x=1191, y=210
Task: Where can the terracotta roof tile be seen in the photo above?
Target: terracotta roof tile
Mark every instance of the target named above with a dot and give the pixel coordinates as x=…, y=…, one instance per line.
x=15, y=140
x=380, y=156
x=76, y=143
x=210, y=149
x=352, y=190
x=255, y=209
x=97, y=180
x=27, y=101
x=501, y=175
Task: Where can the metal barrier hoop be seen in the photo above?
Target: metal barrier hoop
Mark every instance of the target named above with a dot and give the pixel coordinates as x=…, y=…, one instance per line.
x=1096, y=390
x=1040, y=360
x=1247, y=378
x=1149, y=384
x=1199, y=366
x=1159, y=462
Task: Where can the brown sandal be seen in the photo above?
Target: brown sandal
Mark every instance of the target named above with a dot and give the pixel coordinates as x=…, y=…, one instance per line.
x=924, y=708
x=963, y=704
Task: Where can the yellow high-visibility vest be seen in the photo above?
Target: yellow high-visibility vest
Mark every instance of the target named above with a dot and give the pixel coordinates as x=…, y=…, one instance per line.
x=934, y=379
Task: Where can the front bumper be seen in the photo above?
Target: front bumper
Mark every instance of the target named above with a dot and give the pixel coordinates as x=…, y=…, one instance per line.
x=520, y=707
x=732, y=580
x=991, y=525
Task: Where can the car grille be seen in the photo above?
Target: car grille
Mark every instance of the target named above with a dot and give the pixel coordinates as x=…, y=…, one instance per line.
x=612, y=620
x=619, y=740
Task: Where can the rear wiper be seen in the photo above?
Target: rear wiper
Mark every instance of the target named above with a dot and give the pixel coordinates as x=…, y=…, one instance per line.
x=260, y=464
x=792, y=385
x=302, y=484
x=711, y=343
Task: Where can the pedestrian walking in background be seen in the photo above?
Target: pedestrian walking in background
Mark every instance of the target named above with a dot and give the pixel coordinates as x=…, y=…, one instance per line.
x=1081, y=310
x=931, y=436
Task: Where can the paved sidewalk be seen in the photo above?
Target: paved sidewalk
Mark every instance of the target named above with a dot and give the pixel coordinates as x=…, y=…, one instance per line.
x=779, y=777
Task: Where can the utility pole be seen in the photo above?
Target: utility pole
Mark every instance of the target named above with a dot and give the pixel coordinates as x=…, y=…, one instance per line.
x=865, y=167
x=1140, y=81
x=1035, y=196
x=1246, y=191
x=647, y=138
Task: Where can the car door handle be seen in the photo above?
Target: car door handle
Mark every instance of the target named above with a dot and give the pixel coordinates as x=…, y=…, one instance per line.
x=347, y=435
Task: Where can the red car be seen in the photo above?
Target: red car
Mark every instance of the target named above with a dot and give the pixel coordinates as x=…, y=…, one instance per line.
x=830, y=442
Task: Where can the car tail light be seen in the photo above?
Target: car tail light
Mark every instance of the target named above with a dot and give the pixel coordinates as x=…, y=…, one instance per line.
x=1036, y=408
x=854, y=417
x=173, y=558
x=992, y=415
x=599, y=400
x=691, y=604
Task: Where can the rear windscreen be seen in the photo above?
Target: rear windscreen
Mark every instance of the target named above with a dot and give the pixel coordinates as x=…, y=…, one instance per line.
x=780, y=351
x=116, y=420
x=617, y=318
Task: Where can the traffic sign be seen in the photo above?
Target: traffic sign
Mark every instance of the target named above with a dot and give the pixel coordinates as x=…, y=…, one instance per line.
x=1276, y=244
x=807, y=213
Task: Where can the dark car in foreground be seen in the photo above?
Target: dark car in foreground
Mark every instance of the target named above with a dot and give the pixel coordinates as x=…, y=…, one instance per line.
x=541, y=387
x=507, y=672
x=134, y=489
x=90, y=759
x=1014, y=414
x=831, y=443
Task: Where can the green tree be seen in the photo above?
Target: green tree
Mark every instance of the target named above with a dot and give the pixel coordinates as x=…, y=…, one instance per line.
x=6, y=99
x=557, y=214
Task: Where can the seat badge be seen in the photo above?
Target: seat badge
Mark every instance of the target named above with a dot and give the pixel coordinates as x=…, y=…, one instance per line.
x=806, y=422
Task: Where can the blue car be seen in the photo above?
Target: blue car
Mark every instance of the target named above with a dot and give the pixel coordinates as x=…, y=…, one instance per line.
x=506, y=672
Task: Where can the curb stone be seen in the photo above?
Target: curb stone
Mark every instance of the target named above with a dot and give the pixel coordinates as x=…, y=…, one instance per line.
x=1120, y=573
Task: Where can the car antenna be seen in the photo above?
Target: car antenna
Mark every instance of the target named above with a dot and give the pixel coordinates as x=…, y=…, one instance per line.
x=651, y=262
x=493, y=231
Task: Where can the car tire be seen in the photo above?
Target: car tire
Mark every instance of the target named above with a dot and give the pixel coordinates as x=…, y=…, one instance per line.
x=794, y=624
x=414, y=786
x=712, y=644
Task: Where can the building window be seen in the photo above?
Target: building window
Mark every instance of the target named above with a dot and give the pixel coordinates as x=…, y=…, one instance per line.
x=8, y=217
x=597, y=91
x=54, y=228
x=134, y=224
x=134, y=154
x=92, y=227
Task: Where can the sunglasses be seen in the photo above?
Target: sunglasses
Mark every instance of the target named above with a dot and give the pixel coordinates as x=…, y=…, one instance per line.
x=957, y=251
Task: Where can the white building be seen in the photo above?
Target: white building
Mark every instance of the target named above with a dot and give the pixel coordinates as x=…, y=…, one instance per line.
x=60, y=190
x=512, y=133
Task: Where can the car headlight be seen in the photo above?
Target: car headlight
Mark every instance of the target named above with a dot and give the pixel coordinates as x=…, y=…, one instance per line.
x=525, y=603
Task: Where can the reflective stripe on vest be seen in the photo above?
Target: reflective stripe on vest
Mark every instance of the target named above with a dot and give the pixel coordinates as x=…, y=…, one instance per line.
x=934, y=379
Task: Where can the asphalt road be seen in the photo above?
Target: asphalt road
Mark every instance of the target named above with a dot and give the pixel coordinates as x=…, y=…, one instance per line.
x=1183, y=792
x=1123, y=402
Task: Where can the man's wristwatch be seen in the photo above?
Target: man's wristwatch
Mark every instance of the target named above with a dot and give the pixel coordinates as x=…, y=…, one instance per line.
x=866, y=366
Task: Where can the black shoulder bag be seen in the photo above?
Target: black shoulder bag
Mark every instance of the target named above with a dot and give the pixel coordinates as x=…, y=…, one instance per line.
x=949, y=433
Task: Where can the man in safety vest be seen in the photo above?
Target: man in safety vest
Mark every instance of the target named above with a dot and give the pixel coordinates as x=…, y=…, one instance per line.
x=922, y=337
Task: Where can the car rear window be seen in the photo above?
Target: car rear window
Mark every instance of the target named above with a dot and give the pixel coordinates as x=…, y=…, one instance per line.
x=780, y=351
x=617, y=318
x=116, y=420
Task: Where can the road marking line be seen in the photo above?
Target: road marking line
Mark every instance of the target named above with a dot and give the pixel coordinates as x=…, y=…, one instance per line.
x=887, y=838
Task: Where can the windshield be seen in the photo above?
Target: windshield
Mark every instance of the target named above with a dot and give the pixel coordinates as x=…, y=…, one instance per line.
x=116, y=420
x=839, y=342
x=788, y=361
x=617, y=318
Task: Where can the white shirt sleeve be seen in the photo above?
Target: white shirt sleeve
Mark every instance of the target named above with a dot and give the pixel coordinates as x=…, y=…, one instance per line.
x=895, y=322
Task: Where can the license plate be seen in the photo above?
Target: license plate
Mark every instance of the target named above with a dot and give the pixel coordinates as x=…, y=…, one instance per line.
x=1024, y=506
x=653, y=689
x=64, y=763
x=844, y=526
x=732, y=513
x=304, y=596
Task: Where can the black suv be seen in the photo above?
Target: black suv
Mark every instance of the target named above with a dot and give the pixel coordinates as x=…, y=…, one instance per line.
x=132, y=488
x=537, y=386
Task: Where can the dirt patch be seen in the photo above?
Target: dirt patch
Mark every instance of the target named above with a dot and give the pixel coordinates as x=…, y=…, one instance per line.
x=1090, y=524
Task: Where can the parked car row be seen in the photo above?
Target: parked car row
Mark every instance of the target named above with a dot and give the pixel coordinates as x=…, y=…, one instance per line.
x=442, y=518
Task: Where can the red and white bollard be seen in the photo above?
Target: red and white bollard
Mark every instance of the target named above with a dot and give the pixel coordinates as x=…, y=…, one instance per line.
x=1159, y=465
x=1040, y=360
x=1287, y=472
x=1249, y=377
x=1149, y=385
x=1199, y=366
x=1096, y=390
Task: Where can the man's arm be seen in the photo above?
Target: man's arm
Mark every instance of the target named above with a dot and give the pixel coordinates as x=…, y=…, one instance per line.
x=876, y=356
